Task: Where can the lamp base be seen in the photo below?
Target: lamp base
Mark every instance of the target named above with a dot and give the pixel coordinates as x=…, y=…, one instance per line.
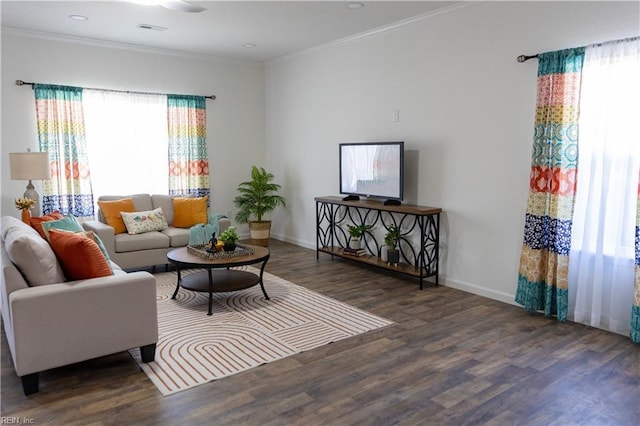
x=32, y=194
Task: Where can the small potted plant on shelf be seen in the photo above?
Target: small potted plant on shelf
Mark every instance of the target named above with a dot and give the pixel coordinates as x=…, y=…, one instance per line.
x=229, y=237
x=257, y=198
x=356, y=232
x=392, y=239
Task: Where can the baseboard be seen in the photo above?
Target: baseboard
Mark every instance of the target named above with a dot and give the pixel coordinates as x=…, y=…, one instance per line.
x=293, y=241
x=458, y=285
x=480, y=291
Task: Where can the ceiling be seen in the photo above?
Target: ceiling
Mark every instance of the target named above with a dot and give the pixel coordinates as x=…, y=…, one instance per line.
x=276, y=28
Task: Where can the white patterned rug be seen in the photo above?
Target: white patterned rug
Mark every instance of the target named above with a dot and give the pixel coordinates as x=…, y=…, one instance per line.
x=244, y=331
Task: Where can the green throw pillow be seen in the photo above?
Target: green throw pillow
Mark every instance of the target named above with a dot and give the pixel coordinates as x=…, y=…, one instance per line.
x=67, y=223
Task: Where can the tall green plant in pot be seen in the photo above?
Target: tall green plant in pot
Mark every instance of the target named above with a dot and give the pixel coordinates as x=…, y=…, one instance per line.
x=257, y=198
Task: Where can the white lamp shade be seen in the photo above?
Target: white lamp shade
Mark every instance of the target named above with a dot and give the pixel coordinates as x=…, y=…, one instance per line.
x=29, y=165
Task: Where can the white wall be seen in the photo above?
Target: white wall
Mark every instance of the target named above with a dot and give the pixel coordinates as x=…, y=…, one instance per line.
x=235, y=120
x=466, y=116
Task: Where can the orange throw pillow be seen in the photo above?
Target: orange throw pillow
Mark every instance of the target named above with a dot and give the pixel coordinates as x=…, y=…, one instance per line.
x=111, y=212
x=189, y=211
x=79, y=256
x=36, y=221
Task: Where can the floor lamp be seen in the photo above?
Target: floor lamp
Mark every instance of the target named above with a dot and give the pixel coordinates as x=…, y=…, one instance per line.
x=30, y=166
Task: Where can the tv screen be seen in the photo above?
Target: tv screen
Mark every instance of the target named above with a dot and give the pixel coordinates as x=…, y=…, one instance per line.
x=372, y=169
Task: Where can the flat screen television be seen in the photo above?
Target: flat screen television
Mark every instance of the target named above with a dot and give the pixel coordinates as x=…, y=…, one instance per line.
x=372, y=169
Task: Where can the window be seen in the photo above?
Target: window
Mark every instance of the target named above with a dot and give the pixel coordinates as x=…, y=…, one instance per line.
x=601, y=274
x=127, y=142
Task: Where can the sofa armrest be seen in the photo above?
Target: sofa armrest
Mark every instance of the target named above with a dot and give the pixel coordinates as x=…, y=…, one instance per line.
x=60, y=324
x=105, y=232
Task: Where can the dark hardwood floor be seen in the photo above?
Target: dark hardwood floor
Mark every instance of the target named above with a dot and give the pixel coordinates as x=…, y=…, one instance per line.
x=450, y=358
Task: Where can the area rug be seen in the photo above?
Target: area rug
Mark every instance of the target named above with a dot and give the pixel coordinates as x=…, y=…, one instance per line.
x=244, y=331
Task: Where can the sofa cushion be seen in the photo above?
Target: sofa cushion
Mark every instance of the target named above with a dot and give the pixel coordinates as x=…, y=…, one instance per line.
x=179, y=237
x=142, y=202
x=36, y=221
x=146, y=221
x=10, y=223
x=111, y=213
x=189, y=211
x=80, y=256
x=31, y=254
x=146, y=241
x=166, y=203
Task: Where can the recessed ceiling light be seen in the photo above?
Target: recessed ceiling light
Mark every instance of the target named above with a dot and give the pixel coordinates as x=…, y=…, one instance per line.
x=355, y=5
x=248, y=45
x=78, y=17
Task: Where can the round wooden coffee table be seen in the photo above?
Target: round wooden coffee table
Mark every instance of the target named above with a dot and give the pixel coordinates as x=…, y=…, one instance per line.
x=217, y=275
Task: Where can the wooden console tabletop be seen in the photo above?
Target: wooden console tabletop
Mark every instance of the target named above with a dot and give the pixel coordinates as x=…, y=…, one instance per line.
x=378, y=205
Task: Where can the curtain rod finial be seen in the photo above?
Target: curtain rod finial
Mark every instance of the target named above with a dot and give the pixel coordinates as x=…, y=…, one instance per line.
x=525, y=58
x=22, y=83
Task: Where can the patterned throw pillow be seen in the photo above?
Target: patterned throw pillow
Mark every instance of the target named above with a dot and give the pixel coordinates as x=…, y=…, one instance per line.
x=140, y=222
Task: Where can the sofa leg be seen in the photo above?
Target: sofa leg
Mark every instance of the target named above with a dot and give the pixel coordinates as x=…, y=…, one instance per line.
x=31, y=383
x=148, y=352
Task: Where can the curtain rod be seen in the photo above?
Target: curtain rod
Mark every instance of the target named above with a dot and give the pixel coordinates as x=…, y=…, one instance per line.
x=524, y=58
x=22, y=83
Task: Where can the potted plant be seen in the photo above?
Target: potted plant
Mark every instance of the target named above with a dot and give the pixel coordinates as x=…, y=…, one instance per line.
x=392, y=239
x=356, y=232
x=229, y=237
x=25, y=205
x=257, y=198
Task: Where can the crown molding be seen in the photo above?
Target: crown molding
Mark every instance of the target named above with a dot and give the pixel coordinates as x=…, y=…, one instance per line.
x=10, y=31
x=377, y=31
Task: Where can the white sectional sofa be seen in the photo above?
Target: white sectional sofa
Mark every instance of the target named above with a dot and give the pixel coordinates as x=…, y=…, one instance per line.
x=51, y=322
x=149, y=248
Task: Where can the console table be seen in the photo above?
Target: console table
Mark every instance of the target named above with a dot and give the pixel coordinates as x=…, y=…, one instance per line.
x=419, y=244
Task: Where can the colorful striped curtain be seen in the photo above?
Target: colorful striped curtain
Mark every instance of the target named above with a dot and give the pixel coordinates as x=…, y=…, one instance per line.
x=60, y=124
x=188, y=159
x=635, y=310
x=544, y=260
